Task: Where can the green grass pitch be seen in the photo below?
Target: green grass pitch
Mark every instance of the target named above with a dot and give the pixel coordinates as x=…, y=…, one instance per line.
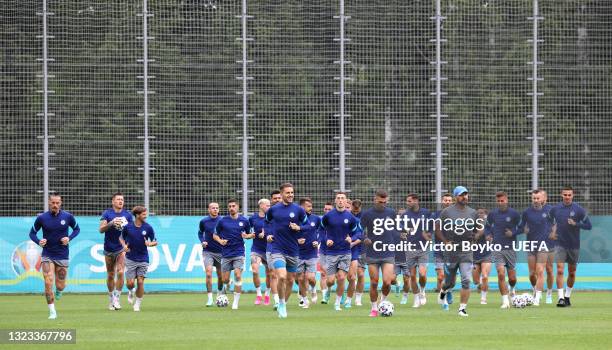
x=181, y=321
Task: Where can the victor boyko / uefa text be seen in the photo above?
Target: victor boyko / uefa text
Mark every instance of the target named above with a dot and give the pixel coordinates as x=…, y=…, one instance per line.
x=410, y=225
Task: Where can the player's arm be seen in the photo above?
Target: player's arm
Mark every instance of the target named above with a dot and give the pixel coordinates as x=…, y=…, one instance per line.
x=34, y=233
x=356, y=236
x=217, y=235
x=515, y=222
x=201, y=235
x=75, y=228
x=585, y=223
x=440, y=237
x=248, y=228
x=124, y=244
x=522, y=226
x=105, y=223
x=151, y=242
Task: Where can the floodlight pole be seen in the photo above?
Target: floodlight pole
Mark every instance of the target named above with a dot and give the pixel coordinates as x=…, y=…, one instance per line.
x=342, y=169
x=245, y=107
x=438, y=93
x=45, y=114
x=535, y=151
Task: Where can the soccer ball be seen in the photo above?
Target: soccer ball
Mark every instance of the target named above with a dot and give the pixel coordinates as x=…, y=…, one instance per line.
x=519, y=301
x=528, y=298
x=123, y=222
x=222, y=300
x=386, y=308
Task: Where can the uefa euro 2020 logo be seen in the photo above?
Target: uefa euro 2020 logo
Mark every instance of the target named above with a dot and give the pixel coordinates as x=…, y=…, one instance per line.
x=26, y=258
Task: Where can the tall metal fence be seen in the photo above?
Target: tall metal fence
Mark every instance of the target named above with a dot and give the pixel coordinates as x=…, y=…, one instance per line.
x=178, y=103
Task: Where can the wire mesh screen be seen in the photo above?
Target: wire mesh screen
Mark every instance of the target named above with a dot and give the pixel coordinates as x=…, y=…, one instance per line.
x=576, y=104
x=196, y=100
x=194, y=103
x=390, y=105
x=487, y=102
x=95, y=104
x=20, y=102
x=293, y=101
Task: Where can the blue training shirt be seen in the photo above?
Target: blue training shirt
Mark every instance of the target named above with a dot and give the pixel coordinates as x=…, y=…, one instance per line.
x=135, y=237
x=569, y=235
x=232, y=230
x=499, y=221
x=309, y=231
x=368, y=218
x=257, y=225
x=539, y=223
x=285, y=239
x=111, y=236
x=420, y=218
x=55, y=227
x=205, y=234
x=339, y=225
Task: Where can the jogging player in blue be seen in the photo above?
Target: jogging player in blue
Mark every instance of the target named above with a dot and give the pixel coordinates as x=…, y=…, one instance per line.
x=339, y=224
x=418, y=258
x=258, y=249
x=375, y=237
x=503, y=222
x=569, y=218
x=211, y=249
x=112, y=222
x=275, y=197
x=536, y=223
x=230, y=232
x=286, y=218
x=309, y=246
x=55, y=255
x=136, y=237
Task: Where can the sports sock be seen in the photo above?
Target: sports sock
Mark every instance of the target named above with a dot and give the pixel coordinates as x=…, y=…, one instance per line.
x=281, y=302
x=258, y=290
x=538, y=295
x=462, y=306
x=337, y=303
x=276, y=299
x=548, y=292
x=209, y=295
x=51, y=307
x=267, y=293
x=236, y=298
x=483, y=294
x=505, y=299
x=374, y=306
x=560, y=292
x=568, y=292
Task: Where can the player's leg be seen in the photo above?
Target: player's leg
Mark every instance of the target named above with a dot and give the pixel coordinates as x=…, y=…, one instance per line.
x=560, y=291
x=539, y=273
x=340, y=279
x=450, y=278
x=550, y=276
x=388, y=275
x=268, y=285
x=311, y=279
x=238, y=263
x=332, y=265
x=360, y=284
x=373, y=271
x=465, y=268
x=422, y=267
x=501, y=282
x=531, y=264
x=439, y=273
x=61, y=272
x=110, y=262
x=140, y=287
x=352, y=282
x=571, y=279
x=485, y=270
x=48, y=269
x=119, y=278
x=273, y=280
x=412, y=282
x=209, y=271
x=255, y=263
x=476, y=273
x=510, y=257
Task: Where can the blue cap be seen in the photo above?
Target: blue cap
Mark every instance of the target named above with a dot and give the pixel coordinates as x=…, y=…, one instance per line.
x=459, y=190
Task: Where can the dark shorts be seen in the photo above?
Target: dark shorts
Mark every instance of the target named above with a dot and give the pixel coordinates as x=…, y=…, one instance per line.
x=232, y=263
x=308, y=265
x=211, y=259
x=282, y=261
x=56, y=262
x=569, y=256
x=380, y=261
x=113, y=255
x=336, y=263
x=504, y=257
x=417, y=258
x=482, y=259
x=135, y=269
x=402, y=269
x=259, y=258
